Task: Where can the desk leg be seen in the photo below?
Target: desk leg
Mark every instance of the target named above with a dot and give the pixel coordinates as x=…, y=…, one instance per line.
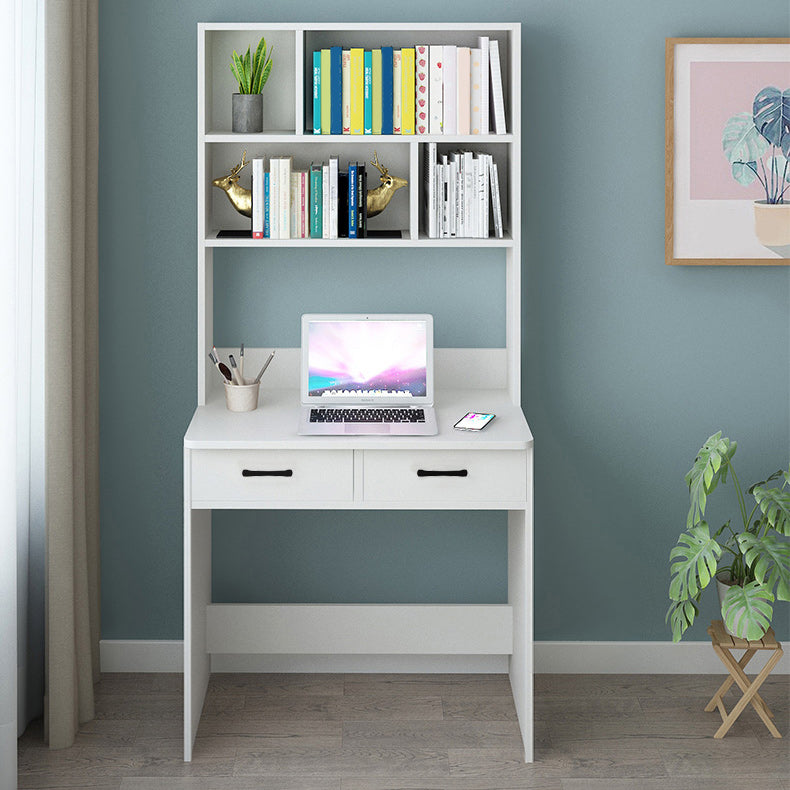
x=520, y=598
x=197, y=595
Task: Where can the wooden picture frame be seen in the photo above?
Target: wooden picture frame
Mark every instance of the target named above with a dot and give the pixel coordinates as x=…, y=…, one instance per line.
x=708, y=220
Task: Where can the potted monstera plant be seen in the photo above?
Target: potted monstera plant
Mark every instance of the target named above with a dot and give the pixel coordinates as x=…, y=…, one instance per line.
x=251, y=73
x=757, y=145
x=751, y=558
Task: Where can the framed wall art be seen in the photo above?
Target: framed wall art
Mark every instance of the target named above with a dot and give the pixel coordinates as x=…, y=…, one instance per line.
x=728, y=151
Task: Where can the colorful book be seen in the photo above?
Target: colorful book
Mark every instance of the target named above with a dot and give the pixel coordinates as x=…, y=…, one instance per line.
x=304, y=205
x=386, y=90
x=475, y=97
x=431, y=194
x=346, y=69
x=376, y=88
x=316, y=202
x=357, y=90
x=396, y=92
x=334, y=192
x=336, y=117
x=367, y=117
x=485, y=93
x=342, y=204
x=284, y=221
x=450, y=90
x=436, y=112
x=407, y=90
x=362, y=203
x=274, y=197
x=463, y=95
x=497, y=97
x=293, y=207
x=421, y=88
x=324, y=201
x=317, y=92
x=353, y=197
x=326, y=93
x=257, y=198
x=267, y=230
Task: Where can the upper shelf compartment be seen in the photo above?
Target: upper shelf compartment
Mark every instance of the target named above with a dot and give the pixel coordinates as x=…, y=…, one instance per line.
x=280, y=97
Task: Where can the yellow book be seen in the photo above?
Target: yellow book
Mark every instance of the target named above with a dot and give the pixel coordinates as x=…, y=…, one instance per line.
x=377, y=91
x=326, y=94
x=407, y=90
x=357, y=90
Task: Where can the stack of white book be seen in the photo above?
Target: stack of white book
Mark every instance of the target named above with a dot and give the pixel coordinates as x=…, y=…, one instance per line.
x=462, y=195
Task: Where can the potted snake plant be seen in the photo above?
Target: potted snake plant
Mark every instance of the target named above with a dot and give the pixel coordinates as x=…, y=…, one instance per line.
x=251, y=73
x=750, y=559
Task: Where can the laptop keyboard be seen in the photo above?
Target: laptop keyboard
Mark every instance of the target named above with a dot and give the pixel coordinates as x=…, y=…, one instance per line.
x=367, y=415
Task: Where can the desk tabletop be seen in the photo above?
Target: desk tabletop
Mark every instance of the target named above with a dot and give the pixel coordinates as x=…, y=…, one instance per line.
x=273, y=425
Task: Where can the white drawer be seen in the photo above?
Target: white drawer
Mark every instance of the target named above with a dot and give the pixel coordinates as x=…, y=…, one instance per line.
x=445, y=476
x=261, y=476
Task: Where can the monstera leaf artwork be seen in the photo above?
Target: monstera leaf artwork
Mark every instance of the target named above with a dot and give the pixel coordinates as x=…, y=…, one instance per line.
x=771, y=112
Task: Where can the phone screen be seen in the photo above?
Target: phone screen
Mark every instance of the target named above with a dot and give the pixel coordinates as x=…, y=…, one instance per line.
x=474, y=421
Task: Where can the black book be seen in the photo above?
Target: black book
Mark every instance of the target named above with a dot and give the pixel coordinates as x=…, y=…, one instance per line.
x=342, y=204
x=362, y=201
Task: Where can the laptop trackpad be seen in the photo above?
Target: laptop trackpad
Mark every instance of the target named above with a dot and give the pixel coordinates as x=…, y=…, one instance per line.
x=366, y=428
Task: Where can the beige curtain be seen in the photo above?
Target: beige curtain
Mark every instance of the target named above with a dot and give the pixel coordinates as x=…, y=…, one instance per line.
x=71, y=367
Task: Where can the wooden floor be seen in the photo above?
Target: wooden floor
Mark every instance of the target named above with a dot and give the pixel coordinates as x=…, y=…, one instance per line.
x=421, y=732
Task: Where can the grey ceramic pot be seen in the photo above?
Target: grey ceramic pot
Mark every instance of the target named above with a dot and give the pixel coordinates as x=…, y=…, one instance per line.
x=247, y=112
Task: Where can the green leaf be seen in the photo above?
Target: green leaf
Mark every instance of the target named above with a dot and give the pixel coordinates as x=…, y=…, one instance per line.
x=695, y=559
x=768, y=556
x=681, y=615
x=242, y=73
x=771, y=117
x=267, y=70
x=747, y=610
x=710, y=468
x=741, y=140
x=744, y=172
x=775, y=505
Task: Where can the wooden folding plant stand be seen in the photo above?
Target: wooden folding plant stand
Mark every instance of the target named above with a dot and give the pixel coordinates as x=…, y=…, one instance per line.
x=724, y=644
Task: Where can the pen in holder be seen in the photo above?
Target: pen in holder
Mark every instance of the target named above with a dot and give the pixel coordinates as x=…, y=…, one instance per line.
x=242, y=397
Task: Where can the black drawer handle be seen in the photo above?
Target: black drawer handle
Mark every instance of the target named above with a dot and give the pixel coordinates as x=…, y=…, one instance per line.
x=267, y=473
x=442, y=473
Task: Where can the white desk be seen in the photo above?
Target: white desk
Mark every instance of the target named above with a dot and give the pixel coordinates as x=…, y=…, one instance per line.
x=356, y=473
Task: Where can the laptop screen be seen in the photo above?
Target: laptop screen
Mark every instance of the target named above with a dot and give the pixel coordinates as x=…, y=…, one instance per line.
x=367, y=359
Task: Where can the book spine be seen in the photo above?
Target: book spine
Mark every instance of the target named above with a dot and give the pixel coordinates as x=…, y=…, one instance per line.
x=334, y=192
x=497, y=97
x=352, y=201
x=485, y=82
x=436, y=91
x=486, y=191
x=316, y=202
x=462, y=102
x=452, y=231
x=336, y=116
x=346, y=77
x=496, y=203
x=362, y=208
x=475, y=93
x=397, y=114
x=317, y=92
x=421, y=96
x=430, y=190
x=257, y=198
x=304, y=205
x=469, y=192
x=450, y=90
x=386, y=90
x=342, y=204
x=293, y=206
x=267, y=229
x=326, y=91
x=325, y=201
x=367, y=98
x=376, y=90
x=445, y=170
x=357, y=90
x=407, y=91
x=274, y=197
x=285, y=197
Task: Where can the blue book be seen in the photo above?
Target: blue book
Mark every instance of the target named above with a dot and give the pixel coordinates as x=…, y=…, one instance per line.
x=317, y=92
x=336, y=90
x=367, y=124
x=386, y=90
x=316, y=202
x=267, y=228
x=352, y=201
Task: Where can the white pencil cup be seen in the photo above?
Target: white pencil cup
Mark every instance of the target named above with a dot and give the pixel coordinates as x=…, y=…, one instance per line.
x=242, y=397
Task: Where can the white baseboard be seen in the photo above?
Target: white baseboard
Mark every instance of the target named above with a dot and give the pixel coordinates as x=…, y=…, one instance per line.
x=637, y=658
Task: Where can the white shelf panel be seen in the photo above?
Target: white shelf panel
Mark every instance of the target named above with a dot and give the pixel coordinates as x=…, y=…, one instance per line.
x=288, y=136
x=404, y=241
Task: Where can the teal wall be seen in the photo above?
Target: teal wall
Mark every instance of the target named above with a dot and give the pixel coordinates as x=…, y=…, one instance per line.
x=628, y=364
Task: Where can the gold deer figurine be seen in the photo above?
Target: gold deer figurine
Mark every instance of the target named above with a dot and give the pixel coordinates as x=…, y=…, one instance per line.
x=240, y=197
x=378, y=199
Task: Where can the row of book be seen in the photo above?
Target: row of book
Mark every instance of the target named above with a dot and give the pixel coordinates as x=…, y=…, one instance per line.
x=425, y=89
x=323, y=202
x=462, y=195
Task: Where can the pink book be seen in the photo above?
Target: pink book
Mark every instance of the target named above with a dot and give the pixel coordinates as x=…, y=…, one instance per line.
x=345, y=60
x=463, y=96
x=436, y=104
x=421, y=88
x=396, y=92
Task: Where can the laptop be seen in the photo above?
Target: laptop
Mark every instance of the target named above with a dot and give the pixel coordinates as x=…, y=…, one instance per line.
x=367, y=374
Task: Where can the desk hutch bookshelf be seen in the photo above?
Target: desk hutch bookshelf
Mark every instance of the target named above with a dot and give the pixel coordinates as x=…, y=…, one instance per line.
x=349, y=473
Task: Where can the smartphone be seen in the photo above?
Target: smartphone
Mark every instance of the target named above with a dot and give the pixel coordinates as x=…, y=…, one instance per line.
x=474, y=421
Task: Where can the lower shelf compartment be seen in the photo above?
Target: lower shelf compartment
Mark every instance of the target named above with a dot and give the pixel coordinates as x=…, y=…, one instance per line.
x=364, y=629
